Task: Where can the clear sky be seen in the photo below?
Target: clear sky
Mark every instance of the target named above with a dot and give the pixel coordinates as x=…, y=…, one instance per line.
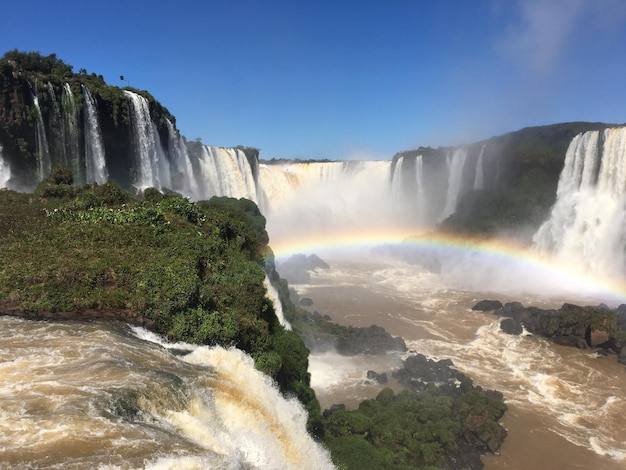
x=344, y=79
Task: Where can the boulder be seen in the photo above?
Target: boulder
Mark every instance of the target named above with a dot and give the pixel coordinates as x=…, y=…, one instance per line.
x=378, y=378
x=511, y=326
x=487, y=306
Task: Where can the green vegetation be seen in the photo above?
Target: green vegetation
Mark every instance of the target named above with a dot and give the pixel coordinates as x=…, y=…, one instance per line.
x=192, y=272
x=409, y=430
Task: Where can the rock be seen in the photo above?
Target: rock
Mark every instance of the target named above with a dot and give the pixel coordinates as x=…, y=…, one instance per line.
x=306, y=302
x=329, y=411
x=487, y=306
x=511, y=326
x=598, y=337
x=379, y=378
x=370, y=340
x=621, y=357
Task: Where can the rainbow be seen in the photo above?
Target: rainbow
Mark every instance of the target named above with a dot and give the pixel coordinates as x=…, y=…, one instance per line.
x=494, y=252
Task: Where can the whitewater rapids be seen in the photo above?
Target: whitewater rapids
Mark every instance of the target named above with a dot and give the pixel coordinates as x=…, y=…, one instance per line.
x=94, y=395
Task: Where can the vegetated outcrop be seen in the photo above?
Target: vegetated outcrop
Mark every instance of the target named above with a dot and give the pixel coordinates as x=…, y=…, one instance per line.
x=192, y=272
x=441, y=420
x=571, y=325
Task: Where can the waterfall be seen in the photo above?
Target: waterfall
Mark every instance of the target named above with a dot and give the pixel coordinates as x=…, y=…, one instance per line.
x=272, y=294
x=71, y=135
x=57, y=127
x=183, y=179
x=455, y=161
x=94, y=146
x=479, y=178
x=5, y=171
x=586, y=225
x=150, y=154
x=226, y=172
x=44, y=164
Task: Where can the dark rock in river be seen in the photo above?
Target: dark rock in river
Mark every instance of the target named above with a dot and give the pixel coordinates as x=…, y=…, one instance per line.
x=370, y=340
x=511, y=326
x=487, y=305
x=378, y=378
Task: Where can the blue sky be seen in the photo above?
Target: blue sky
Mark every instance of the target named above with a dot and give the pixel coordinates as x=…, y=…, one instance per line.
x=344, y=79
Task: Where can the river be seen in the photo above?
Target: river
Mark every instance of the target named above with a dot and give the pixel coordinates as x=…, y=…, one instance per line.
x=567, y=407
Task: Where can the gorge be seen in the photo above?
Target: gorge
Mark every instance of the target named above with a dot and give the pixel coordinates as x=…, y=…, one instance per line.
x=533, y=194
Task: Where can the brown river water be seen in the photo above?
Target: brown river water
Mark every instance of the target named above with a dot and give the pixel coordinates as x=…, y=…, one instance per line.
x=567, y=407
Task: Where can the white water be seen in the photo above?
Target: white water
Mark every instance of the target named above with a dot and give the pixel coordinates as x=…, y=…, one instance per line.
x=272, y=294
x=479, y=178
x=567, y=407
x=94, y=147
x=183, y=178
x=44, y=164
x=455, y=162
x=89, y=395
x=150, y=155
x=320, y=199
x=5, y=171
x=226, y=172
x=587, y=222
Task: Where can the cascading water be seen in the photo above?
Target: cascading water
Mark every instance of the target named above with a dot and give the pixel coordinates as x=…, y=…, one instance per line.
x=44, y=163
x=586, y=223
x=455, y=161
x=150, y=154
x=182, y=174
x=226, y=172
x=5, y=171
x=272, y=294
x=95, y=162
x=72, y=152
x=91, y=395
x=479, y=178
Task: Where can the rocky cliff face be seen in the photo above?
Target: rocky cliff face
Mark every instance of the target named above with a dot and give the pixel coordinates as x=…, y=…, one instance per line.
x=45, y=118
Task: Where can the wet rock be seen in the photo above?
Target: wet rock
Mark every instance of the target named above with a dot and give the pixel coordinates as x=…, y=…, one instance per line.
x=333, y=408
x=487, y=305
x=511, y=326
x=378, y=378
x=306, y=302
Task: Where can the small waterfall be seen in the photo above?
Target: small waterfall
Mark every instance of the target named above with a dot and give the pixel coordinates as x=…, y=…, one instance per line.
x=71, y=135
x=94, y=146
x=455, y=161
x=479, y=178
x=148, y=148
x=272, y=294
x=183, y=179
x=44, y=163
x=5, y=171
x=586, y=225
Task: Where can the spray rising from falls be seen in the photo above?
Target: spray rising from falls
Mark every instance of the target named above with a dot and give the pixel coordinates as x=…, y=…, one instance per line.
x=587, y=222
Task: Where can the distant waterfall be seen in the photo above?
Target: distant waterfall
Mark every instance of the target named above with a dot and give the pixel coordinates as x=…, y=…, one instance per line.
x=44, y=163
x=70, y=128
x=183, y=179
x=5, y=171
x=226, y=172
x=94, y=146
x=586, y=225
x=455, y=161
x=57, y=127
x=479, y=178
x=150, y=154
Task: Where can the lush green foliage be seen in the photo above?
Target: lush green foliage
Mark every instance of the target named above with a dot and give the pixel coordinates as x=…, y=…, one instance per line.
x=407, y=430
x=192, y=271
